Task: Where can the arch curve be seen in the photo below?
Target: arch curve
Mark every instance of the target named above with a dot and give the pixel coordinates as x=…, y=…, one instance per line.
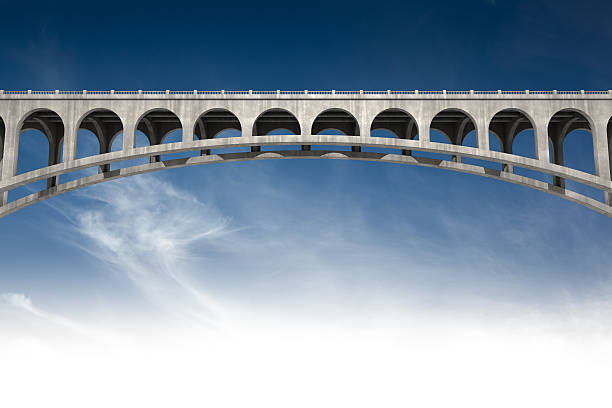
x=275, y=119
x=337, y=119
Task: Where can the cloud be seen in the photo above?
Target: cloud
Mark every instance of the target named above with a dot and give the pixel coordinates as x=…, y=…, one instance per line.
x=147, y=231
x=23, y=303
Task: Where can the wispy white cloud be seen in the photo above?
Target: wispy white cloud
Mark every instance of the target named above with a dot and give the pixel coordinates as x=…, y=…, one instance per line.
x=148, y=231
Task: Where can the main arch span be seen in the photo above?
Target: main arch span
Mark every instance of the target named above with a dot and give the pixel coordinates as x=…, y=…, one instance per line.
x=251, y=120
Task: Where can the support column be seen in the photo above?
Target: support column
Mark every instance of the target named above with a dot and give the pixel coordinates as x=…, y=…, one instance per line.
x=105, y=146
x=188, y=131
x=9, y=159
x=409, y=133
x=558, y=158
x=601, y=153
x=423, y=125
x=541, y=140
x=54, y=158
x=129, y=136
x=482, y=132
x=70, y=142
x=506, y=146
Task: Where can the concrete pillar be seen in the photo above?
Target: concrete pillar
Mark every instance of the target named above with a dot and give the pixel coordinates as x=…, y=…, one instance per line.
x=10, y=157
x=482, y=132
x=70, y=141
x=129, y=136
x=188, y=130
x=54, y=158
x=541, y=140
x=423, y=124
x=601, y=152
x=557, y=150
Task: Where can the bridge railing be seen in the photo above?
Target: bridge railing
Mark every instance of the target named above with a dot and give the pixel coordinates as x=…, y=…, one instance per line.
x=309, y=92
x=313, y=92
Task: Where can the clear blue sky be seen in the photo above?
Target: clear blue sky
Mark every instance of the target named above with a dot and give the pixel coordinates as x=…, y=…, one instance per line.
x=309, y=238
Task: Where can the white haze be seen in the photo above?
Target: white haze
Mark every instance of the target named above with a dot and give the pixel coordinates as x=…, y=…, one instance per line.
x=208, y=349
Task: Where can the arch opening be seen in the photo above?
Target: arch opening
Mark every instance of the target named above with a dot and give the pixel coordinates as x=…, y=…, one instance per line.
x=276, y=122
x=449, y=126
x=570, y=134
x=335, y=122
x=336, y=119
x=39, y=145
x=96, y=133
x=218, y=123
x=140, y=140
x=161, y=126
x=393, y=123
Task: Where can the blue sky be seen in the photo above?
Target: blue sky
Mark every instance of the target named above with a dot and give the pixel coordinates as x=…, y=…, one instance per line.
x=349, y=255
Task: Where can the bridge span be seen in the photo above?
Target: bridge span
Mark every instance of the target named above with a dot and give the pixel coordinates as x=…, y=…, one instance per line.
x=307, y=125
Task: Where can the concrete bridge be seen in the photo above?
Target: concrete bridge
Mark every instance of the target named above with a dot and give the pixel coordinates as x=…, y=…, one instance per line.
x=301, y=119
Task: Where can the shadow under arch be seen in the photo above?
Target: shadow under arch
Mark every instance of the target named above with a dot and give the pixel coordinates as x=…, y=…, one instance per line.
x=156, y=124
x=609, y=132
x=453, y=123
x=335, y=121
x=2, y=133
x=51, y=125
x=276, y=121
x=560, y=125
x=398, y=123
x=508, y=123
x=216, y=122
x=105, y=125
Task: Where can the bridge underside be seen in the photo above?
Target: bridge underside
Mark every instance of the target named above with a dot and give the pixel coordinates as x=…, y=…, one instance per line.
x=102, y=162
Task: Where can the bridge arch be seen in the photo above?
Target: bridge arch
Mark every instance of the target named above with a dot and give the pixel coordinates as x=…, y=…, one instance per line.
x=157, y=123
x=214, y=121
x=105, y=126
x=567, y=126
x=507, y=124
x=276, y=119
x=335, y=119
x=51, y=125
x=454, y=124
x=397, y=121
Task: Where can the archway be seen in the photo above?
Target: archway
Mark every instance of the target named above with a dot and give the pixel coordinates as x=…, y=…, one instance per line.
x=569, y=133
x=336, y=122
x=449, y=126
x=160, y=126
x=395, y=123
x=39, y=145
x=276, y=122
x=96, y=134
x=218, y=123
